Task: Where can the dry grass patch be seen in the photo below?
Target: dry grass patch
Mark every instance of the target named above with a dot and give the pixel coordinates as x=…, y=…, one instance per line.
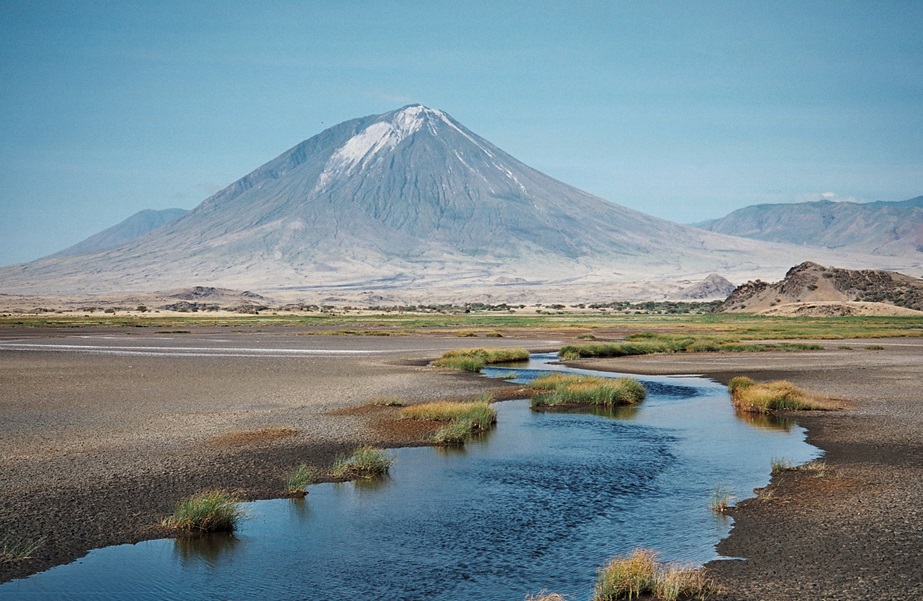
x=770, y=397
x=639, y=573
x=461, y=419
x=251, y=436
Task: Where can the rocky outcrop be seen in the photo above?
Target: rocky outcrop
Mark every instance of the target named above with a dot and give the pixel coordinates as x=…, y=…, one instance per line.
x=827, y=288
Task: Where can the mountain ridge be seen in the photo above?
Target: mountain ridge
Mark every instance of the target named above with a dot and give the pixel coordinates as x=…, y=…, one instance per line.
x=880, y=228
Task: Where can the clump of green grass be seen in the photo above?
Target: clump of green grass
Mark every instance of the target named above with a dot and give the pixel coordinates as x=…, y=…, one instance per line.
x=720, y=499
x=303, y=476
x=365, y=462
x=769, y=397
x=566, y=389
x=463, y=419
x=12, y=551
x=210, y=511
x=874, y=347
x=473, y=359
x=639, y=573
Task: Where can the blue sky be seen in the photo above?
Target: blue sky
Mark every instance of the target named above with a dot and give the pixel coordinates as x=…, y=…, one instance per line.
x=684, y=110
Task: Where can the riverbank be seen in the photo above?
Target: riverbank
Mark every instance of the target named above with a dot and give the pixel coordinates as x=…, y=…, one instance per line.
x=97, y=445
x=857, y=531
x=103, y=431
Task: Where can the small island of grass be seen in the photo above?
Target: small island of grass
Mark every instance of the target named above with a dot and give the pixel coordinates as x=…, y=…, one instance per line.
x=564, y=390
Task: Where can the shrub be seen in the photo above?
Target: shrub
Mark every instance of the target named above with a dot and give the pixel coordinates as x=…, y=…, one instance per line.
x=211, y=511
x=564, y=389
x=365, y=462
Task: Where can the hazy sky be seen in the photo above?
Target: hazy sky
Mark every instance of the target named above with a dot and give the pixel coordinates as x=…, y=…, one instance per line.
x=684, y=110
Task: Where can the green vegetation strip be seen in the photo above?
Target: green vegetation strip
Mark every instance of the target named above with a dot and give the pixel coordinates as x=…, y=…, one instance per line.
x=770, y=397
x=462, y=419
x=737, y=326
x=473, y=359
x=647, y=343
x=561, y=390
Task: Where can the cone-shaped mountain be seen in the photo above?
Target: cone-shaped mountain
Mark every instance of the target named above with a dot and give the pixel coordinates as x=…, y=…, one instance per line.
x=409, y=197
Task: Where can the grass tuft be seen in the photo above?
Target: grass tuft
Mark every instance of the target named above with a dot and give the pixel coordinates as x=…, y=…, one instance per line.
x=473, y=359
x=546, y=596
x=11, y=551
x=211, y=511
x=720, y=499
x=568, y=390
x=640, y=573
x=769, y=397
x=303, y=476
x=463, y=419
x=365, y=462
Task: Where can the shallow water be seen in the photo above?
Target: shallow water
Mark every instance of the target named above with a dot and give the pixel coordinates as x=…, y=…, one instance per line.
x=537, y=504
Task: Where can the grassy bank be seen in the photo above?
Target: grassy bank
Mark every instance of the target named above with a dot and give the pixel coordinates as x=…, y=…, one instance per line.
x=646, y=343
x=563, y=390
x=473, y=359
x=462, y=420
x=770, y=397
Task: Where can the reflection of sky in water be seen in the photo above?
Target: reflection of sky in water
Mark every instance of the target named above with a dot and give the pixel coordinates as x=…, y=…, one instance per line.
x=537, y=504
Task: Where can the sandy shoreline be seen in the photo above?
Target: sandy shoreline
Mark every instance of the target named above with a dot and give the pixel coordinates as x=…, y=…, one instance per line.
x=96, y=447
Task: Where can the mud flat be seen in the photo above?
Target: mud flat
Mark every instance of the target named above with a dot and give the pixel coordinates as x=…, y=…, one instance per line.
x=857, y=531
x=102, y=431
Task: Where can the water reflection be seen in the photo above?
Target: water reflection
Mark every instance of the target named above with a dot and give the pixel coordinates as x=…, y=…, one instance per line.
x=209, y=548
x=764, y=421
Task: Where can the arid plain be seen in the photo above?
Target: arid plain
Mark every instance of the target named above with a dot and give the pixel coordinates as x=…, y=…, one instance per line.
x=104, y=429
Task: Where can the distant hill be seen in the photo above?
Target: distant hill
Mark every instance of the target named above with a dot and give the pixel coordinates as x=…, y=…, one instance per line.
x=879, y=228
x=134, y=227
x=811, y=289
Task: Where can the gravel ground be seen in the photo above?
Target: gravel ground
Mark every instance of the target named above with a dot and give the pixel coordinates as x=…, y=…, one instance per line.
x=96, y=445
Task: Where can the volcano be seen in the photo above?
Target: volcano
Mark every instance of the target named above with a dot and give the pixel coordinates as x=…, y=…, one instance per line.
x=409, y=198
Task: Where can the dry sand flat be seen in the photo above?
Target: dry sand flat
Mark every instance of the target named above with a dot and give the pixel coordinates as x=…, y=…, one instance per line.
x=97, y=444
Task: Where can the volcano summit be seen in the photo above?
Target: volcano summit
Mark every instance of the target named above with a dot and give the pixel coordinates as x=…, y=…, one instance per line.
x=406, y=199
